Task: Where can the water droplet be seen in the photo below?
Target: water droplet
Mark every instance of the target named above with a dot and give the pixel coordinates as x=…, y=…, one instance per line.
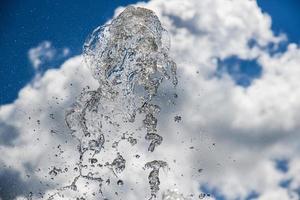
x=177, y=118
x=120, y=182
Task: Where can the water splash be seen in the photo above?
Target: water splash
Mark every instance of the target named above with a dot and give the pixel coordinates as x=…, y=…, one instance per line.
x=154, y=175
x=129, y=58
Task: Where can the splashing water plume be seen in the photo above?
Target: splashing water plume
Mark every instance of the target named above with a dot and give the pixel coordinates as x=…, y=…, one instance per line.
x=154, y=175
x=129, y=58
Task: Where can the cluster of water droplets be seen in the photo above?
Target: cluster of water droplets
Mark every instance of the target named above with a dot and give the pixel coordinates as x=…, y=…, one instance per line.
x=129, y=58
x=154, y=175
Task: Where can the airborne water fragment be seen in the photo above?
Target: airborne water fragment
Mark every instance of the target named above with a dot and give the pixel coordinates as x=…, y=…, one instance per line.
x=154, y=175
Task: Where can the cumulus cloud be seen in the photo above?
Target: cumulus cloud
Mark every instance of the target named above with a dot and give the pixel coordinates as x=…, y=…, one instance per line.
x=234, y=134
x=45, y=53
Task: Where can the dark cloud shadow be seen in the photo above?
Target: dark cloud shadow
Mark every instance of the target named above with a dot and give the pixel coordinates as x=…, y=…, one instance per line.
x=13, y=185
x=8, y=134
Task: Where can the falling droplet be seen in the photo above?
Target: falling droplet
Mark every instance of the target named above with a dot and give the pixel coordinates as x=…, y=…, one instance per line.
x=120, y=183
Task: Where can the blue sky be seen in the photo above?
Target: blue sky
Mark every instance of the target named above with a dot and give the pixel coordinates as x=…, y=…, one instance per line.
x=285, y=17
x=25, y=25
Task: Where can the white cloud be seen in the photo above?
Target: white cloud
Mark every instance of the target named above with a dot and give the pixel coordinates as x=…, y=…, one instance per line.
x=45, y=52
x=236, y=132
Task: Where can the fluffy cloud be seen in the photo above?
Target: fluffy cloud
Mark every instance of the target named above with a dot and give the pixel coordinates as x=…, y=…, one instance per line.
x=234, y=133
x=45, y=53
